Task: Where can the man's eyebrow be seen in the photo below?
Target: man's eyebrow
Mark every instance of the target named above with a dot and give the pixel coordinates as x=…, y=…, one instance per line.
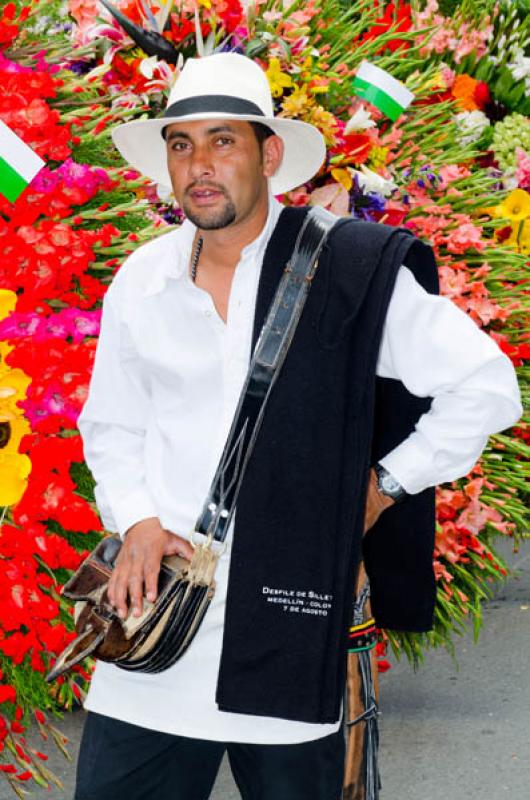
x=216, y=129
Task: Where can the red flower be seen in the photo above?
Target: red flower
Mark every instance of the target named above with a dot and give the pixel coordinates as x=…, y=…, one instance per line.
x=39, y=716
x=355, y=146
x=8, y=29
x=444, y=512
x=16, y=727
x=7, y=694
x=398, y=14
x=231, y=14
x=481, y=95
x=181, y=27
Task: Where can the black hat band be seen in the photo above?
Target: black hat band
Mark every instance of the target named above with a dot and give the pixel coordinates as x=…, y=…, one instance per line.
x=223, y=103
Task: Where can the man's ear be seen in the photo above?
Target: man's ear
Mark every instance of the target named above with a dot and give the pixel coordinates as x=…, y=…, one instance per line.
x=273, y=149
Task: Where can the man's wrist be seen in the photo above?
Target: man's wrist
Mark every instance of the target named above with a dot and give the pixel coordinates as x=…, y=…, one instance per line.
x=388, y=486
x=147, y=522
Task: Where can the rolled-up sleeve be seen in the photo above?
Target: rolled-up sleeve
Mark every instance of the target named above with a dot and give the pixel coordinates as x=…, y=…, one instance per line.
x=112, y=424
x=436, y=350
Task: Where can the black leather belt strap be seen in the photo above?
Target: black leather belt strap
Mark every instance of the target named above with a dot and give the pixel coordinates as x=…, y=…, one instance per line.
x=269, y=354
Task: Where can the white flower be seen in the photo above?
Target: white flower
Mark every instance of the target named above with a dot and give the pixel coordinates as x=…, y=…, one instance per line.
x=148, y=66
x=470, y=125
x=509, y=180
x=164, y=193
x=520, y=66
x=370, y=181
x=359, y=121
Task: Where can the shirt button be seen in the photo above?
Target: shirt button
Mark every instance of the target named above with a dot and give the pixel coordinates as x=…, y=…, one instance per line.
x=207, y=313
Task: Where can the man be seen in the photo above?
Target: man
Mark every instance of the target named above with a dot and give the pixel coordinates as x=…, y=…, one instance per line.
x=178, y=326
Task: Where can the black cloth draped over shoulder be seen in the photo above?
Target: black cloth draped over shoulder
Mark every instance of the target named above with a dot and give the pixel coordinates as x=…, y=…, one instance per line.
x=298, y=526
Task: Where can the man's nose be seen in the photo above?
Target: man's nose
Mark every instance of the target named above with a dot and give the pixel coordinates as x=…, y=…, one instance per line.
x=201, y=162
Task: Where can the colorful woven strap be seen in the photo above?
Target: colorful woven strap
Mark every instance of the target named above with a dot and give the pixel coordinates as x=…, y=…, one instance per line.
x=362, y=637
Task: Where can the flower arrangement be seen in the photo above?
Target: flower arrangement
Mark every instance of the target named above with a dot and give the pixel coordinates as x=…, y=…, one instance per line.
x=454, y=168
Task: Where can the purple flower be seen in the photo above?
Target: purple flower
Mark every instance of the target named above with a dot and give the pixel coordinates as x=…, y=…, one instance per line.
x=80, y=67
x=363, y=205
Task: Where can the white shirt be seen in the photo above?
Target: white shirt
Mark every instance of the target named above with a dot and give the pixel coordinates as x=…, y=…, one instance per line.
x=167, y=376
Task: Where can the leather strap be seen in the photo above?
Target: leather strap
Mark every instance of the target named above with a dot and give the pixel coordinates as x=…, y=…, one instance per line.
x=269, y=354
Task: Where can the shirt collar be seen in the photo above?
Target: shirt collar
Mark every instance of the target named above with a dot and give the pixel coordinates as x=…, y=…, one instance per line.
x=177, y=253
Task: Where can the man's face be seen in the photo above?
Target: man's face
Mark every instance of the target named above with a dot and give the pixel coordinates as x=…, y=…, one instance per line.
x=217, y=170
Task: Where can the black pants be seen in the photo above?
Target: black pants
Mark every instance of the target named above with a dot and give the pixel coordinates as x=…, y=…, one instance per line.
x=120, y=761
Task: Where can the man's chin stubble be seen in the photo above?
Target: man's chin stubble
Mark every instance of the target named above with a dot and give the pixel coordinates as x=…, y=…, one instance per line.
x=209, y=220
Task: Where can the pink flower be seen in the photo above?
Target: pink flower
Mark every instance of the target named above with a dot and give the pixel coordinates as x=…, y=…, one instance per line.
x=83, y=11
x=452, y=172
x=332, y=196
x=475, y=516
x=522, y=173
x=448, y=76
x=453, y=283
x=18, y=324
x=80, y=323
x=483, y=310
x=465, y=237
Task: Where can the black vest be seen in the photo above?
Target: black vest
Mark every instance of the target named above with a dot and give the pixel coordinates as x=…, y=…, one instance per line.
x=298, y=529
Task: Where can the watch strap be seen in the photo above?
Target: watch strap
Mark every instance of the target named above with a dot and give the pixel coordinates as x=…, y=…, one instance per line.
x=396, y=490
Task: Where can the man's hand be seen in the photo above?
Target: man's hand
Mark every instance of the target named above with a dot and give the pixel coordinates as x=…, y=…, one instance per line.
x=138, y=563
x=376, y=502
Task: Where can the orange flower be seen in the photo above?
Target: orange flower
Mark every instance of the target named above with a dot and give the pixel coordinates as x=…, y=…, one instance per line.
x=463, y=90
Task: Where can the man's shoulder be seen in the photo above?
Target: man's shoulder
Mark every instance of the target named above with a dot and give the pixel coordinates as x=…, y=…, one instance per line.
x=149, y=261
x=148, y=257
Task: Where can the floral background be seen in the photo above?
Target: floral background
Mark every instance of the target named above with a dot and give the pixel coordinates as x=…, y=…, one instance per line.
x=454, y=168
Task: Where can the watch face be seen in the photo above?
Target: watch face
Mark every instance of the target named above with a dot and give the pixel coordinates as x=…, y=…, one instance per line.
x=389, y=484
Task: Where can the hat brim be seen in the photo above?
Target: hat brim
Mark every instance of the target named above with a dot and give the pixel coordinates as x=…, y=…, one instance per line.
x=141, y=144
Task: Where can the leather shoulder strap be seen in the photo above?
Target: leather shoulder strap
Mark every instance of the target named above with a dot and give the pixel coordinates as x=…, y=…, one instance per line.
x=269, y=354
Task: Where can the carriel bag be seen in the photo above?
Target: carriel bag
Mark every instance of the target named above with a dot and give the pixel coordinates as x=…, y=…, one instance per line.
x=157, y=638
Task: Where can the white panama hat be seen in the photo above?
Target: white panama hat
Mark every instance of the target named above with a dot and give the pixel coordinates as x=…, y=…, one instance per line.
x=222, y=86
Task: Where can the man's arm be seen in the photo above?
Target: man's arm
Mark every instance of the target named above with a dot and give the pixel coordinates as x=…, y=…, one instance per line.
x=436, y=350
x=113, y=425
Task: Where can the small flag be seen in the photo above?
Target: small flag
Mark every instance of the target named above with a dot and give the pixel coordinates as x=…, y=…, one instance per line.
x=382, y=90
x=18, y=164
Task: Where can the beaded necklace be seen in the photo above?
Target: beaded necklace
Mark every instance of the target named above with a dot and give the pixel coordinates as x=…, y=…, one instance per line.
x=195, y=259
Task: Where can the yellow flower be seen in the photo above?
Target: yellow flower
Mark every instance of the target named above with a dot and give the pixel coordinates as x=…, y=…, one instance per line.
x=8, y=301
x=14, y=471
x=378, y=157
x=524, y=238
x=306, y=68
x=326, y=123
x=516, y=206
x=519, y=238
x=278, y=80
x=13, y=385
x=319, y=85
x=297, y=102
x=343, y=176
x=5, y=349
x=12, y=428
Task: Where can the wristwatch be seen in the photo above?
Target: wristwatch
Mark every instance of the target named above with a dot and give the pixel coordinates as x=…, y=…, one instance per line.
x=387, y=484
